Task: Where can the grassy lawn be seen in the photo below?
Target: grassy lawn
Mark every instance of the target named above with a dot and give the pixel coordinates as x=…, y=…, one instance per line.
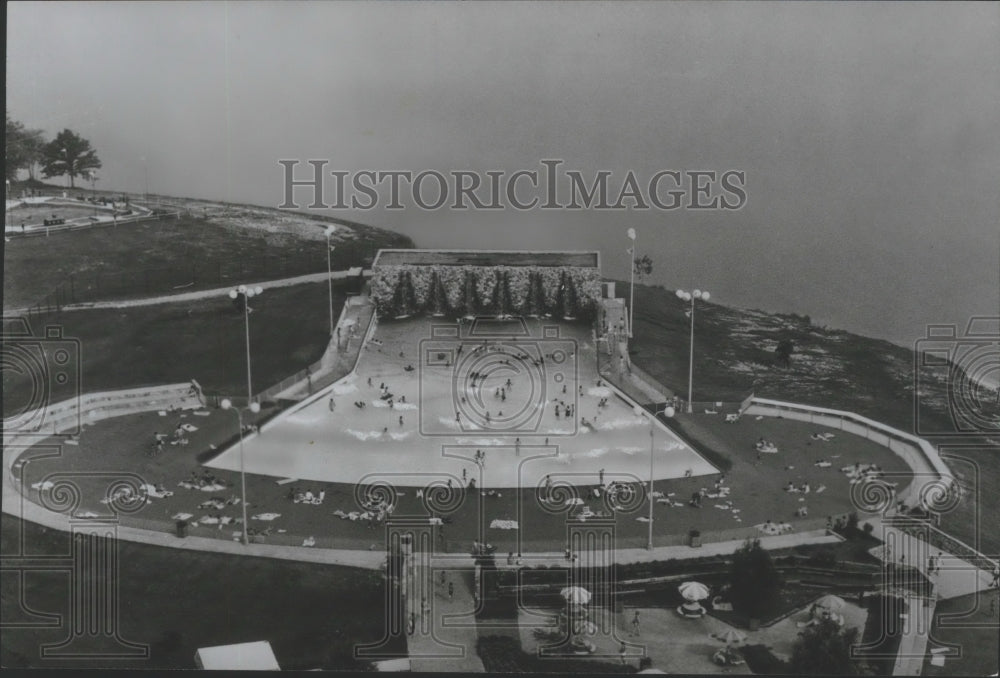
x=176, y=601
x=121, y=444
x=977, y=640
x=203, y=340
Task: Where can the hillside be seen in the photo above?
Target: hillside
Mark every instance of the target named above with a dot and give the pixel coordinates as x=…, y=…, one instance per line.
x=734, y=354
x=210, y=244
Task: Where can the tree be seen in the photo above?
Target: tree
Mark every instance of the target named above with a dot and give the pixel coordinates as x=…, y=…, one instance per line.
x=69, y=154
x=754, y=582
x=825, y=649
x=783, y=351
x=22, y=148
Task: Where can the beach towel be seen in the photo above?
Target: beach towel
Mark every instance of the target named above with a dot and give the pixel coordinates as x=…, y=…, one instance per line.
x=500, y=524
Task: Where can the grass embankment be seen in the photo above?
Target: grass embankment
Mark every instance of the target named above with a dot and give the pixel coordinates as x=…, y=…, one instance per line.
x=176, y=601
x=175, y=255
x=970, y=623
x=203, y=340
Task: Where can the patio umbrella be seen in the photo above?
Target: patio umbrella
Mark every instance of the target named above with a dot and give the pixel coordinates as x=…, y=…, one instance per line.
x=692, y=590
x=730, y=636
x=831, y=602
x=575, y=594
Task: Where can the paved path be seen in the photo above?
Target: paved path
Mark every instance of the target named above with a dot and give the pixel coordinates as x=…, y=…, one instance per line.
x=445, y=633
x=200, y=294
x=916, y=632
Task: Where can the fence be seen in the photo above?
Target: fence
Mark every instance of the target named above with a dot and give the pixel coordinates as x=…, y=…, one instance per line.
x=87, y=408
x=63, y=228
x=942, y=540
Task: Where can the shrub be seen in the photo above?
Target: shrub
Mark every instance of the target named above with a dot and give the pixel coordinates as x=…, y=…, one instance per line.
x=754, y=581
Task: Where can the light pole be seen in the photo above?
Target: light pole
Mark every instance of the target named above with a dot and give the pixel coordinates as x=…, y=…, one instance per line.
x=247, y=293
x=669, y=412
x=330, y=230
x=691, y=296
x=254, y=408
x=631, y=284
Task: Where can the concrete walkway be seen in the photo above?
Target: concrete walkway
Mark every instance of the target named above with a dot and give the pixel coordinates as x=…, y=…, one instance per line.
x=201, y=294
x=445, y=631
x=955, y=577
x=916, y=633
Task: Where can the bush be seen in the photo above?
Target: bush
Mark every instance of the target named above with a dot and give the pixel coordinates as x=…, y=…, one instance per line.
x=754, y=581
x=825, y=649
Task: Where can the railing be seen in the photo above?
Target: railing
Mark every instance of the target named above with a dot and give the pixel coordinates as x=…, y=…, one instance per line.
x=937, y=538
x=505, y=541
x=60, y=416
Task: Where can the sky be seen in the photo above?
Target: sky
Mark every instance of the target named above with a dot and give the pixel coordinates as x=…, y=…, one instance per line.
x=867, y=131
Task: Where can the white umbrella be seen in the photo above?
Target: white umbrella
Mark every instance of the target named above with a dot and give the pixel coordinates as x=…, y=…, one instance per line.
x=831, y=602
x=576, y=595
x=692, y=590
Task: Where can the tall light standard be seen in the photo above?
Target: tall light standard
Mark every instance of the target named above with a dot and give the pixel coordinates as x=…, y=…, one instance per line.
x=691, y=296
x=668, y=411
x=254, y=408
x=247, y=293
x=330, y=230
x=631, y=284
